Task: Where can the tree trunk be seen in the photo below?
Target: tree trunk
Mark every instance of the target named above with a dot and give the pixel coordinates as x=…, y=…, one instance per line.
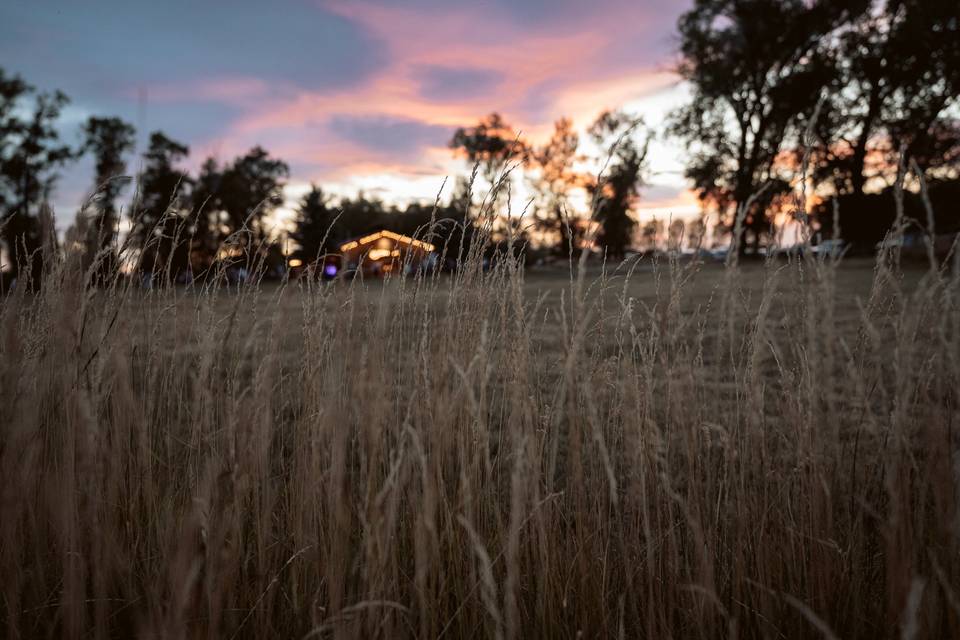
x=858, y=179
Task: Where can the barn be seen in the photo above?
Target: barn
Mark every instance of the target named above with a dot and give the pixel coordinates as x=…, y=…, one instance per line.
x=386, y=252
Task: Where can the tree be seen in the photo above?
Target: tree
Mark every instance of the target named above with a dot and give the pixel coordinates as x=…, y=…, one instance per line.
x=756, y=69
x=249, y=191
x=616, y=193
x=108, y=139
x=490, y=144
x=360, y=215
x=159, y=214
x=926, y=70
x=852, y=114
x=555, y=161
x=13, y=89
x=209, y=219
x=30, y=154
x=900, y=74
x=314, y=233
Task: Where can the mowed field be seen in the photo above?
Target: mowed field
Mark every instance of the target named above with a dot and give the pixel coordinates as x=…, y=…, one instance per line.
x=656, y=450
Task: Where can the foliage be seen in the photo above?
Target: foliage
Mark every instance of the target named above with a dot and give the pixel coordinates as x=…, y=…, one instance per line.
x=491, y=143
x=210, y=229
x=866, y=219
x=108, y=139
x=30, y=154
x=557, y=176
x=159, y=211
x=617, y=191
x=756, y=69
x=314, y=233
x=250, y=189
x=899, y=75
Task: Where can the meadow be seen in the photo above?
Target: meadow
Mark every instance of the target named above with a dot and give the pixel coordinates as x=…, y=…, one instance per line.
x=658, y=449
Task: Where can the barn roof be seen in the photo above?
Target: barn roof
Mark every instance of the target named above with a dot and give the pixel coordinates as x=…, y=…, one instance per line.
x=396, y=237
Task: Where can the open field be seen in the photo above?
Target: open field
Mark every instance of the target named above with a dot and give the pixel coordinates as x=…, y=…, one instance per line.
x=682, y=451
x=289, y=347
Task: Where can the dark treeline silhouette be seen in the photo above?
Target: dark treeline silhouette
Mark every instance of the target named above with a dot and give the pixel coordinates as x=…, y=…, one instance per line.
x=856, y=100
x=30, y=154
x=496, y=149
x=854, y=89
x=180, y=227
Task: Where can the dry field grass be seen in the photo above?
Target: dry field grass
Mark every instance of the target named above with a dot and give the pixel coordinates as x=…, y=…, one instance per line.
x=757, y=451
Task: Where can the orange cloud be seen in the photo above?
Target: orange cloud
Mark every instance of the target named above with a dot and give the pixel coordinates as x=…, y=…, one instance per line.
x=532, y=74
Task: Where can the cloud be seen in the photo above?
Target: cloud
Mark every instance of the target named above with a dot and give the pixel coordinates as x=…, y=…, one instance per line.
x=439, y=83
x=534, y=62
x=387, y=134
x=450, y=63
x=667, y=202
x=344, y=88
x=107, y=47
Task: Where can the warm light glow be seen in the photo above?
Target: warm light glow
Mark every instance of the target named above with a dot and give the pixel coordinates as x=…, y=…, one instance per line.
x=229, y=252
x=295, y=262
x=373, y=237
x=376, y=254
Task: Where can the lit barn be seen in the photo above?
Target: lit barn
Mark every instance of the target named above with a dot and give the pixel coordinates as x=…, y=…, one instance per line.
x=386, y=252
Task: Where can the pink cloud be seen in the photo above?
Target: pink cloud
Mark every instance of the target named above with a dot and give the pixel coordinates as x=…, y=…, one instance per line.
x=570, y=64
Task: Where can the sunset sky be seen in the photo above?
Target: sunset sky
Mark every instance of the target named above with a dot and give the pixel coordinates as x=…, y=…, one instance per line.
x=354, y=94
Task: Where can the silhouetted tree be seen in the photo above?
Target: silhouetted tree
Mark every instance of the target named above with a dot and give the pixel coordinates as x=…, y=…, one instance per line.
x=926, y=67
x=461, y=197
x=455, y=230
x=159, y=212
x=108, y=139
x=618, y=190
x=13, y=89
x=555, y=161
x=491, y=143
x=756, y=69
x=314, y=232
x=865, y=219
x=900, y=74
x=209, y=218
x=250, y=190
x=938, y=152
x=413, y=220
x=360, y=215
x=30, y=154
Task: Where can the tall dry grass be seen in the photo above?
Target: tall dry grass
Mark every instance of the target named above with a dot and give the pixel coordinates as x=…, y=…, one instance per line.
x=447, y=456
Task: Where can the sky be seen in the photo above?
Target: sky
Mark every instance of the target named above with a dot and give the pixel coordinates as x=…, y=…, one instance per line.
x=353, y=94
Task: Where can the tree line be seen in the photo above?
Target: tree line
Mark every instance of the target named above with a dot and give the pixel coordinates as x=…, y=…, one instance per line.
x=182, y=226
x=178, y=223
x=846, y=111
x=853, y=105
x=860, y=97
